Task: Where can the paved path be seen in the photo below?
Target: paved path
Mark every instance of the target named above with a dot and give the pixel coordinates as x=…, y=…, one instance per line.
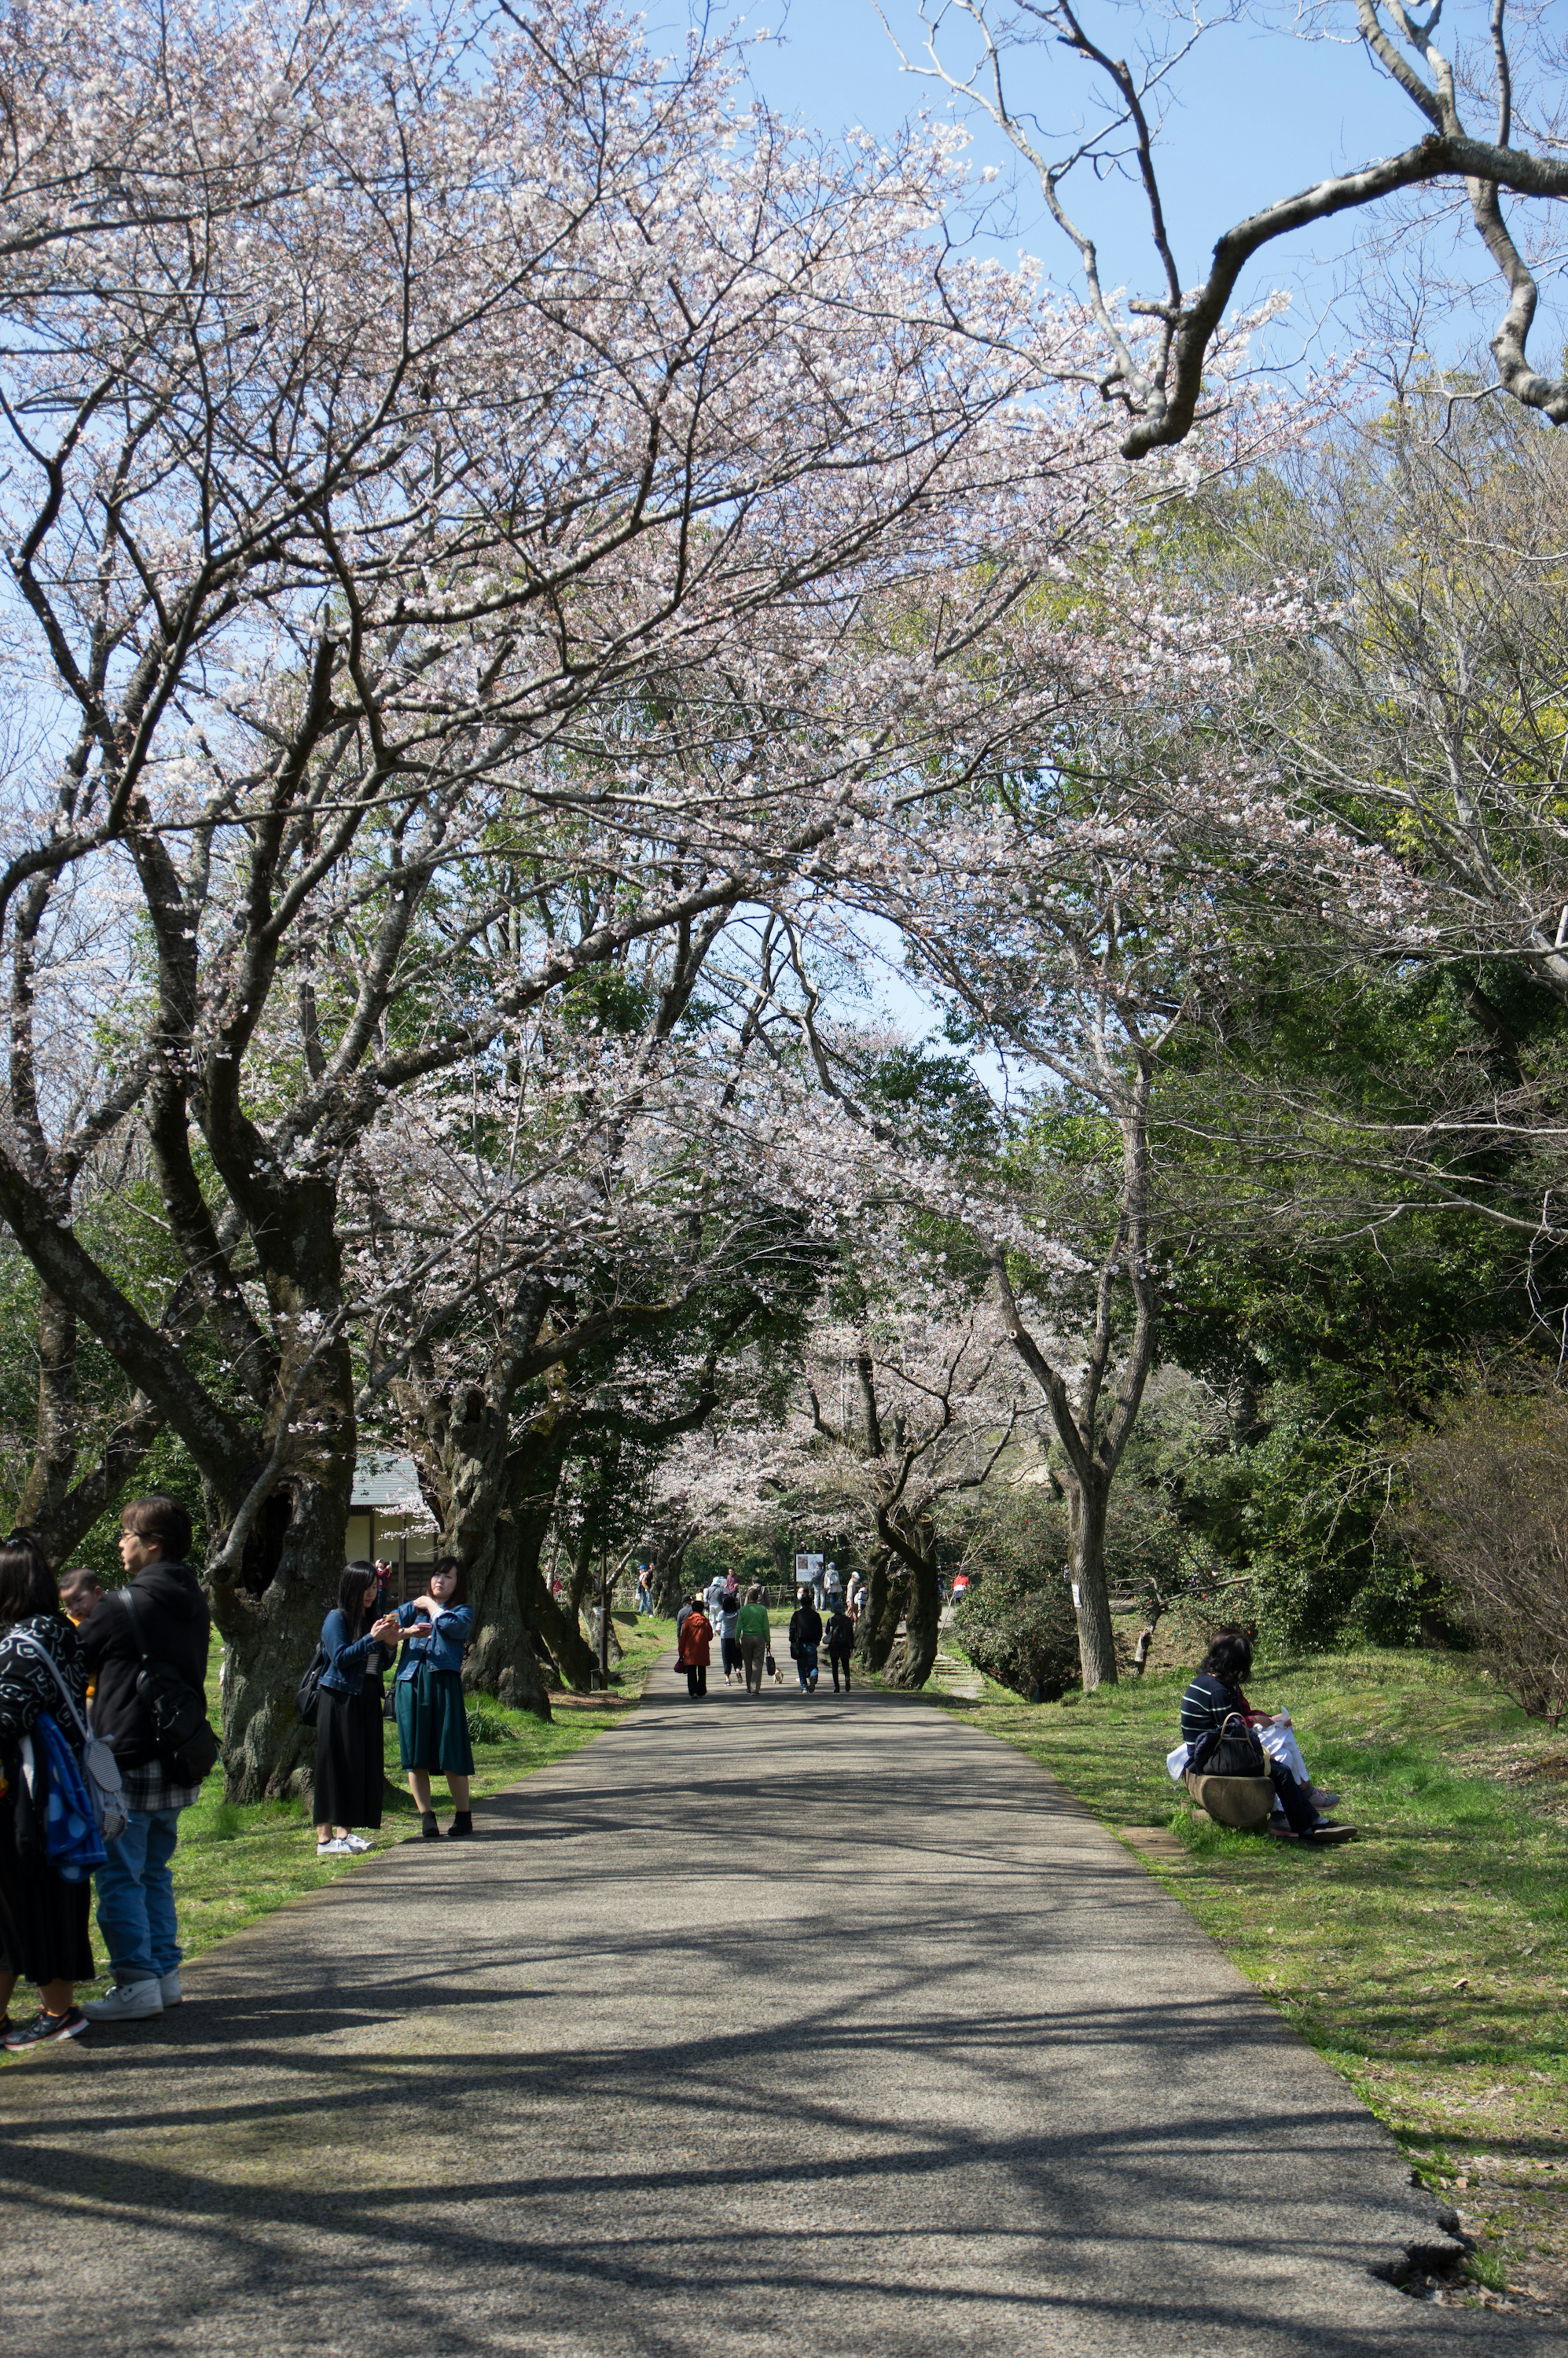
x=833, y=2029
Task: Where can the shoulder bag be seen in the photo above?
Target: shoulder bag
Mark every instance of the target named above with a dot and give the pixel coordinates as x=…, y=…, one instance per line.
x=186, y=1744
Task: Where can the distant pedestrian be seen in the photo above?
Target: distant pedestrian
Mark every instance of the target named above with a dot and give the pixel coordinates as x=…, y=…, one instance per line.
x=695, y=1644
x=350, y=1762
x=805, y=1636
x=645, y=1589
x=857, y=1599
x=728, y=1635
x=752, y=1627
x=432, y=1716
x=44, y=1935
x=840, y=1640
x=833, y=1588
x=161, y=1614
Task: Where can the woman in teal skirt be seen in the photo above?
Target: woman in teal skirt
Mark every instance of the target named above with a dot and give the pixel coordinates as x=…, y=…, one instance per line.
x=432, y=1717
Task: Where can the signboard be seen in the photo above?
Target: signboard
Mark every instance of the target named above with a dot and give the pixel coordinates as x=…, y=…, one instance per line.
x=806, y=1567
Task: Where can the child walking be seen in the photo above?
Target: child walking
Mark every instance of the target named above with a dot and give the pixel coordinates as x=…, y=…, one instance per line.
x=432, y=1718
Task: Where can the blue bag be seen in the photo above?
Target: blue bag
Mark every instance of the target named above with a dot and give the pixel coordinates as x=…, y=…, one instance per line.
x=71, y=1840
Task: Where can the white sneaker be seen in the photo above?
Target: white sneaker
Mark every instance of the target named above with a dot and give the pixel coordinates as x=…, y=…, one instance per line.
x=355, y=1842
x=337, y=1848
x=127, y=2002
x=169, y=1985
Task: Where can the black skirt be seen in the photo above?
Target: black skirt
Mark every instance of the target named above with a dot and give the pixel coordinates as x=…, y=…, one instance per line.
x=43, y=1923
x=349, y=1770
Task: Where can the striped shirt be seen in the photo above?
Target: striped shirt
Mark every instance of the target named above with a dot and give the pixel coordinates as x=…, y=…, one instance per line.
x=1208, y=1703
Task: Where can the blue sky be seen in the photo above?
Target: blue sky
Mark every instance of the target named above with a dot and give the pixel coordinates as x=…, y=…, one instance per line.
x=1258, y=114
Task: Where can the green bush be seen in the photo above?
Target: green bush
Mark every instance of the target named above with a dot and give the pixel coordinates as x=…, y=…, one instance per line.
x=1020, y=1629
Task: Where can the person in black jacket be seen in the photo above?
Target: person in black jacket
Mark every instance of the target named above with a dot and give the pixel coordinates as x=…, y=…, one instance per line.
x=805, y=1636
x=43, y=1917
x=841, y=1645
x=172, y=1626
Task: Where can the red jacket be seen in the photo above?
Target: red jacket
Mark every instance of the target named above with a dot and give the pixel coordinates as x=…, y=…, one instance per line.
x=695, y=1638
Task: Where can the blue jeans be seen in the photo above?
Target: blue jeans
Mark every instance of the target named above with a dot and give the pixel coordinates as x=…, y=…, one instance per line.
x=806, y=1663
x=135, y=1898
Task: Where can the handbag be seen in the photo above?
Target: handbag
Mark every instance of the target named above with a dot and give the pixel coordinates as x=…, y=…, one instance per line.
x=101, y=1770
x=307, y=1694
x=773, y=1666
x=1230, y=1750
x=186, y=1744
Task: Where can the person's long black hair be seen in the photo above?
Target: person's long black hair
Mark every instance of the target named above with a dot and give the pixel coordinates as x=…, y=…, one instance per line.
x=355, y=1579
x=27, y=1584
x=1229, y=1657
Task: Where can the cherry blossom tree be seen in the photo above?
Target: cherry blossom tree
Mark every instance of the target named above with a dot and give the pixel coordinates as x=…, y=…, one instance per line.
x=391, y=407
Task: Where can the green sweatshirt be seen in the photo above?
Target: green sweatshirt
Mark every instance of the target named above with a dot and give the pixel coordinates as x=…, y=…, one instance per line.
x=754, y=1621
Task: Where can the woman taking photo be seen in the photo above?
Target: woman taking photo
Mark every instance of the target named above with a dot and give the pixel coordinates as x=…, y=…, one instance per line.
x=348, y=1762
x=432, y=1718
x=43, y=1919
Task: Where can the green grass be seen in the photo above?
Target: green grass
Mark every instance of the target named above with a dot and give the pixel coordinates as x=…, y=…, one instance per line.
x=1427, y=1961
x=237, y=1862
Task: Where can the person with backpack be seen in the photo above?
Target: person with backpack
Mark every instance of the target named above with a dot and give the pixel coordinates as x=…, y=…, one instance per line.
x=840, y=1639
x=805, y=1636
x=427, y=1696
x=44, y=1935
x=146, y=1647
x=694, y=1648
x=755, y=1636
x=350, y=1761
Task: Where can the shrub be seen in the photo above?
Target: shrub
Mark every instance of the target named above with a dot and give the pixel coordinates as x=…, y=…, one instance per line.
x=1487, y=1509
x=1020, y=1629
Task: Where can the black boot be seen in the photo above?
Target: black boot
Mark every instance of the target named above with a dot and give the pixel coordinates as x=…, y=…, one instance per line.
x=428, y=1826
x=462, y=1823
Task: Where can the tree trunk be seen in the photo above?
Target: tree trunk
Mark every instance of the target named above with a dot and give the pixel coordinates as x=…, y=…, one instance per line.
x=501, y=1661
x=885, y=1607
x=1086, y=1504
x=911, y=1661
x=270, y=1618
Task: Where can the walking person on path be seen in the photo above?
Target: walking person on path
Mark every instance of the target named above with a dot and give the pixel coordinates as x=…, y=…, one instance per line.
x=349, y=1760
x=44, y=1935
x=161, y=1615
x=695, y=1641
x=432, y=1718
x=755, y=1636
x=729, y=1638
x=840, y=1639
x=805, y=1636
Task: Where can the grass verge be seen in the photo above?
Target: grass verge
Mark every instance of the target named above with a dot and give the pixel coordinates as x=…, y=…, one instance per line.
x=237, y=1862
x=1428, y=1961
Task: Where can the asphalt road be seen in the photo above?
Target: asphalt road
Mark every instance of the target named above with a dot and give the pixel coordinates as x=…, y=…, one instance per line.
x=828, y=2028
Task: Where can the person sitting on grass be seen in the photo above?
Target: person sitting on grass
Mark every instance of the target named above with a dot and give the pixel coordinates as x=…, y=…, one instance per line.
x=432, y=1716
x=1216, y=1696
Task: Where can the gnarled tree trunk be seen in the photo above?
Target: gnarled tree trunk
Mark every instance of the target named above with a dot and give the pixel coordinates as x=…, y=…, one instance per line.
x=884, y=1609
x=910, y=1661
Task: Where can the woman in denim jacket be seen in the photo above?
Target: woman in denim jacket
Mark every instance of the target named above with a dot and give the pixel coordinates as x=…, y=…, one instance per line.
x=432, y=1718
x=349, y=1770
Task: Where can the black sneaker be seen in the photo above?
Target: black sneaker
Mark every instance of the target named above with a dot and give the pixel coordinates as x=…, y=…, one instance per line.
x=462, y=1827
x=429, y=1828
x=1326, y=1832
x=45, y=2029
